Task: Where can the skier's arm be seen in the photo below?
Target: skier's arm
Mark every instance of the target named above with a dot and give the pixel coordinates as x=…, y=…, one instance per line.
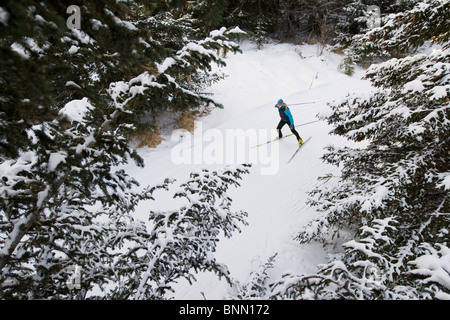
x=288, y=113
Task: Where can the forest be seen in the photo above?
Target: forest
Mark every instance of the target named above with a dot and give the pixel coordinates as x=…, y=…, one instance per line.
x=76, y=83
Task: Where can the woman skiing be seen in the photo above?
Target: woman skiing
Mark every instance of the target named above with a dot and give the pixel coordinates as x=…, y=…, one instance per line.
x=286, y=117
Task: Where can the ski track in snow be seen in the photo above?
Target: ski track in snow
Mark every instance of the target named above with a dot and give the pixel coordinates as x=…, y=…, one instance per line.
x=276, y=204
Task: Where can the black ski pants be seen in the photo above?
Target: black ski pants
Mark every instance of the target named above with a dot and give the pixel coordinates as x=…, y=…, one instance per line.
x=281, y=125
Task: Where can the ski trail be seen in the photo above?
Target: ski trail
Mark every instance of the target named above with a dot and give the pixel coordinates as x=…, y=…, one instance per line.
x=276, y=203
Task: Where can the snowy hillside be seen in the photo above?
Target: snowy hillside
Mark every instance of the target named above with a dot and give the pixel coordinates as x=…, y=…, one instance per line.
x=87, y=213
x=274, y=193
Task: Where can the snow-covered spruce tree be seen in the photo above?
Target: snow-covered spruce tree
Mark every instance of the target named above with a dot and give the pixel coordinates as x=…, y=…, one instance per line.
x=259, y=36
x=179, y=241
x=64, y=95
x=393, y=194
x=354, y=20
x=347, y=64
x=258, y=17
x=403, y=31
x=184, y=69
x=207, y=14
x=309, y=20
x=257, y=286
x=421, y=21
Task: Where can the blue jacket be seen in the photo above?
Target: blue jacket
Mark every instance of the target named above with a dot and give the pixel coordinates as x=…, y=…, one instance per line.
x=285, y=114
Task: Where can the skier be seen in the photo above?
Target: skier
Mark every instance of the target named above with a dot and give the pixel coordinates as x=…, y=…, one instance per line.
x=286, y=117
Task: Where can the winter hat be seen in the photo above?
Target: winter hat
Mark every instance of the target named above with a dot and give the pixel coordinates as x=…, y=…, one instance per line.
x=280, y=101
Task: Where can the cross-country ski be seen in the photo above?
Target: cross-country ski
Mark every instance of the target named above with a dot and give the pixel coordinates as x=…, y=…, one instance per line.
x=273, y=140
x=296, y=151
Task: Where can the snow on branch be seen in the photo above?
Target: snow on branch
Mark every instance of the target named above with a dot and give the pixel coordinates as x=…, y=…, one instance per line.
x=182, y=240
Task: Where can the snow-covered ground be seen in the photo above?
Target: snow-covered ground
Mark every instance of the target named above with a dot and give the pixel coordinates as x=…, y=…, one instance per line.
x=274, y=193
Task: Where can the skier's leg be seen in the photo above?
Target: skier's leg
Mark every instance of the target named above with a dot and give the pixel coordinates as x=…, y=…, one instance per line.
x=280, y=125
x=295, y=132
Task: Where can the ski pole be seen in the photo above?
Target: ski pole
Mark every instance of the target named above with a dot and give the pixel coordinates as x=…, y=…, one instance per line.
x=303, y=124
x=296, y=104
